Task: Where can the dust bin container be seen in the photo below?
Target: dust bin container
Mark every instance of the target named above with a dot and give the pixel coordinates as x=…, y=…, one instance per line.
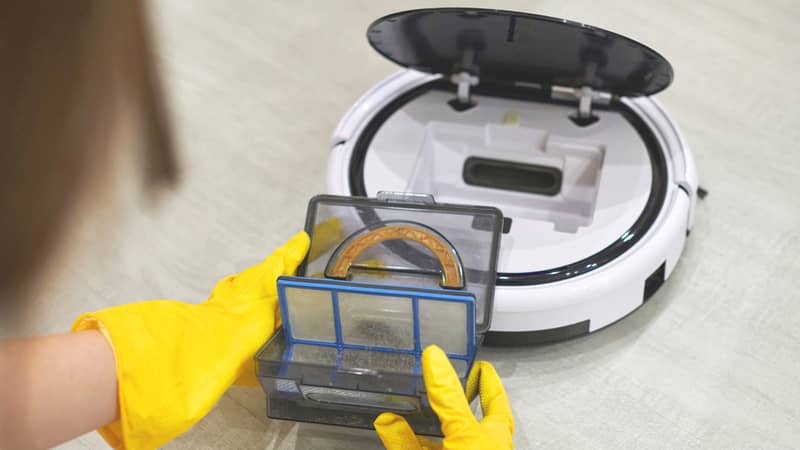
x=384, y=278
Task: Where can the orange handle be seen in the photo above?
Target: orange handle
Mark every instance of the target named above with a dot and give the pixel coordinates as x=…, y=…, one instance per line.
x=452, y=276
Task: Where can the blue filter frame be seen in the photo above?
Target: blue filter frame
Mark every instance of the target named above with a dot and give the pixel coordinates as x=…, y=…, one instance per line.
x=412, y=295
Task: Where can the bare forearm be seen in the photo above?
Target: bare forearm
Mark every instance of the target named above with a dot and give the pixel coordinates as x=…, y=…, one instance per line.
x=55, y=388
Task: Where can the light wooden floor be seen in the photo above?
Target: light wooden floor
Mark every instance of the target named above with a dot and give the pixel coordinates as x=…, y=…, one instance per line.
x=713, y=361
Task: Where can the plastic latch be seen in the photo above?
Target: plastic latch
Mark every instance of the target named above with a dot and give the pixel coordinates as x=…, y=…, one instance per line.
x=406, y=197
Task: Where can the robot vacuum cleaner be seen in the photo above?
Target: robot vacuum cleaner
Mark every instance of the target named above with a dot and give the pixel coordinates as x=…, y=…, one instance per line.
x=551, y=121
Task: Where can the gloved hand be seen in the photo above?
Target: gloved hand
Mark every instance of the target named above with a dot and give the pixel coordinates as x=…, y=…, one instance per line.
x=175, y=360
x=460, y=427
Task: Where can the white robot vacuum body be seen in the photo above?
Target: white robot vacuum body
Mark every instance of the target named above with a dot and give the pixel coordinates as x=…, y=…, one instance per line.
x=553, y=123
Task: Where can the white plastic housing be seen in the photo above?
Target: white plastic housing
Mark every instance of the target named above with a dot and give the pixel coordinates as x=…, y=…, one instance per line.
x=607, y=178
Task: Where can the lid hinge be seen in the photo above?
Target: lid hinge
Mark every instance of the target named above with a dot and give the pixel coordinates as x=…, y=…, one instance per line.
x=464, y=81
x=586, y=97
x=464, y=77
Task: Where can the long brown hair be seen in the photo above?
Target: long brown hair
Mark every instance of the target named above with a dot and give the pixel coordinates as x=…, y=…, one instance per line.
x=68, y=69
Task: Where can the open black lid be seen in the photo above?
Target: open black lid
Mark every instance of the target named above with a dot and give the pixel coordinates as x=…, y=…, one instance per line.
x=509, y=46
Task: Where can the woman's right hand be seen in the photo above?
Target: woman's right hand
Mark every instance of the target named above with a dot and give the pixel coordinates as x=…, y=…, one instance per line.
x=460, y=427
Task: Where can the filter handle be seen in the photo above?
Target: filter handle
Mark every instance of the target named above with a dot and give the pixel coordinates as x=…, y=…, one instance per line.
x=348, y=251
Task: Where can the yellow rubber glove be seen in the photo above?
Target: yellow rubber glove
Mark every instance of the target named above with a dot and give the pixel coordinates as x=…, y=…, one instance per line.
x=460, y=427
x=175, y=360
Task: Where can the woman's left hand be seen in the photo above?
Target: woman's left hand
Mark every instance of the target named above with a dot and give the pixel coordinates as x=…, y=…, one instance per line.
x=174, y=360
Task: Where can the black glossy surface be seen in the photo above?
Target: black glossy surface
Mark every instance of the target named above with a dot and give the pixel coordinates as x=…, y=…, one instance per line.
x=511, y=338
x=507, y=46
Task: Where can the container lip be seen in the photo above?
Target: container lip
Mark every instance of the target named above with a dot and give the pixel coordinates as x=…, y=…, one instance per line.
x=392, y=287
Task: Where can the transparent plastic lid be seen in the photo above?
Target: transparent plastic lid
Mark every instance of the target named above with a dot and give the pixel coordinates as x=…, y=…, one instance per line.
x=406, y=240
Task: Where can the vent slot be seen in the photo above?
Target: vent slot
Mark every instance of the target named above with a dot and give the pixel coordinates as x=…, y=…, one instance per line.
x=654, y=281
x=512, y=176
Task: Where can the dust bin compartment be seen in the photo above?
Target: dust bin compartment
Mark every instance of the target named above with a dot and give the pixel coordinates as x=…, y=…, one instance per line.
x=384, y=278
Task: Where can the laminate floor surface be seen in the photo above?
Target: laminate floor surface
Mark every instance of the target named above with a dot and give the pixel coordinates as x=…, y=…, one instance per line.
x=257, y=87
